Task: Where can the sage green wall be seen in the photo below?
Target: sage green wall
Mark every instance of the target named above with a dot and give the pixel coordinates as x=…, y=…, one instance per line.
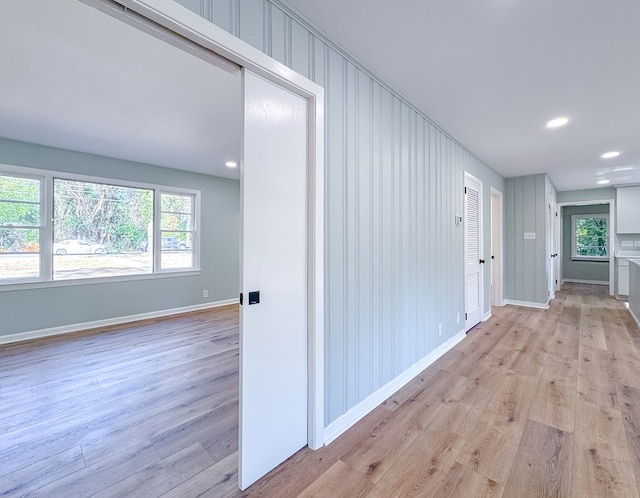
x=525, y=269
x=593, y=194
x=581, y=270
x=42, y=308
x=394, y=183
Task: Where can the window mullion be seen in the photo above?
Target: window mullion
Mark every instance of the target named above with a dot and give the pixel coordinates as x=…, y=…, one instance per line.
x=157, y=231
x=46, y=229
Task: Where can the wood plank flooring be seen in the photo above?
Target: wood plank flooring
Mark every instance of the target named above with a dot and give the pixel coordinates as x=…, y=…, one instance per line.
x=531, y=403
x=131, y=410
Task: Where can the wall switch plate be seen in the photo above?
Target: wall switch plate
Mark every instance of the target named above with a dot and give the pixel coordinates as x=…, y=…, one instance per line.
x=636, y=243
x=458, y=318
x=205, y=293
x=439, y=329
x=529, y=235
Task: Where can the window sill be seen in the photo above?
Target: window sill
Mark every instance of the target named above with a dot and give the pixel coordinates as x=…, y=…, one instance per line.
x=94, y=281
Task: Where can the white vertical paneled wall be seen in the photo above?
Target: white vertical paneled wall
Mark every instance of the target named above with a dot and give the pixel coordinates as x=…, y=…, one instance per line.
x=394, y=183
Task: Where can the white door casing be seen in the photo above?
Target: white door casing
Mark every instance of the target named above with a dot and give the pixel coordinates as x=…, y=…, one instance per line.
x=557, y=249
x=273, y=332
x=473, y=251
x=553, y=249
x=496, y=248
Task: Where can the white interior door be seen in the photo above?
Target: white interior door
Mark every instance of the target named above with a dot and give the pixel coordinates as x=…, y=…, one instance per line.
x=273, y=332
x=473, y=257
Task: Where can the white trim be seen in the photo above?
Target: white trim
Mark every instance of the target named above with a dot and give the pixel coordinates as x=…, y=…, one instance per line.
x=344, y=422
x=578, y=257
x=40, y=284
x=486, y=316
x=578, y=281
x=527, y=304
x=180, y=20
x=634, y=316
x=77, y=327
x=497, y=289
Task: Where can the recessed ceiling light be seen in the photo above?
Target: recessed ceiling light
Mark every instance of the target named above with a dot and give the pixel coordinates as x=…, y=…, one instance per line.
x=557, y=122
x=609, y=155
x=231, y=164
x=603, y=182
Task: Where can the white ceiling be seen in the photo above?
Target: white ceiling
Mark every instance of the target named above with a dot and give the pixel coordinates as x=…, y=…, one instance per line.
x=493, y=72
x=76, y=78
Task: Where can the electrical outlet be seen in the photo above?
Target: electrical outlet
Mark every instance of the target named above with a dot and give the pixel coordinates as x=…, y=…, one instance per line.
x=439, y=329
x=205, y=293
x=458, y=318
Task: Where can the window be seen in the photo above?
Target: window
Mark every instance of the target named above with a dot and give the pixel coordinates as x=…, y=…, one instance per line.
x=176, y=228
x=20, y=231
x=100, y=230
x=590, y=239
x=96, y=228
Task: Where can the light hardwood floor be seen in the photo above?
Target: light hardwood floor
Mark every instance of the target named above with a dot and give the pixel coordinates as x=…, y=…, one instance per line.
x=129, y=411
x=531, y=403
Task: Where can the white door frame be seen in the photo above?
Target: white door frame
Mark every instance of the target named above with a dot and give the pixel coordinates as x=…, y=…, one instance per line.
x=611, y=234
x=185, y=23
x=497, y=296
x=558, y=248
x=551, y=246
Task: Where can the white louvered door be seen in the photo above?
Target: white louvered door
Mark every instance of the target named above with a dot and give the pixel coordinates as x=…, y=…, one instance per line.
x=473, y=253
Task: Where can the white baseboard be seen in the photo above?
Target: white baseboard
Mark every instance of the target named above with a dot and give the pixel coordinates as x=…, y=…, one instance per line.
x=634, y=317
x=527, y=304
x=344, y=422
x=592, y=282
x=486, y=316
x=76, y=327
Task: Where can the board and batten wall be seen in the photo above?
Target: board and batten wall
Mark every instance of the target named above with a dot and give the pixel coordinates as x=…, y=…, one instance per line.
x=525, y=261
x=394, y=184
x=590, y=271
x=50, y=307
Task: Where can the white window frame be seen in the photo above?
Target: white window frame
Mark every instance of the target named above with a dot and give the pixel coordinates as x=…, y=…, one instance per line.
x=580, y=257
x=157, y=227
x=45, y=279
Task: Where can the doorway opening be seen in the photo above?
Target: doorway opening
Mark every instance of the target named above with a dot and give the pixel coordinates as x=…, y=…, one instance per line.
x=171, y=23
x=496, y=248
x=579, y=263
